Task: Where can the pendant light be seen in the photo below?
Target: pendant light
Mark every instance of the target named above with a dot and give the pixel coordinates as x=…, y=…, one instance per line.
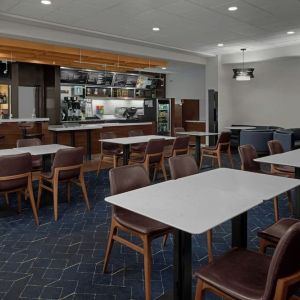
x=243, y=74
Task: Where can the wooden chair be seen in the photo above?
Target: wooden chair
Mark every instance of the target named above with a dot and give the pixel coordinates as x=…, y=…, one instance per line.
x=139, y=148
x=247, y=156
x=275, y=147
x=270, y=236
x=111, y=151
x=215, y=152
x=123, y=220
x=37, y=160
x=67, y=167
x=180, y=146
x=182, y=166
x=192, y=145
x=15, y=176
x=242, y=274
x=27, y=131
x=153, y=157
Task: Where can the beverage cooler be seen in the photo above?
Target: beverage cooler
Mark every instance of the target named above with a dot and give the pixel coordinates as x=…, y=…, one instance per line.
x=159, y=110
x=4, y=101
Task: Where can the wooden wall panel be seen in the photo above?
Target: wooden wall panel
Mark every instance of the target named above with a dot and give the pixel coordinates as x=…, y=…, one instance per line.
x=196, y=126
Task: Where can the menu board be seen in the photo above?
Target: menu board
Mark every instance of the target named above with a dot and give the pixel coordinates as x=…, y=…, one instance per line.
x=72, y=76
x=125, y=80
x=143, y=82
x=100, y=78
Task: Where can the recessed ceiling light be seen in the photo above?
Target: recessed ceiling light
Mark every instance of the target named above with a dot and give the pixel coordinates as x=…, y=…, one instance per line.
x=46, y=2
x=220, y=45
x=232, y=8
x=290, y=32
x=164, y=68
x=156, y=29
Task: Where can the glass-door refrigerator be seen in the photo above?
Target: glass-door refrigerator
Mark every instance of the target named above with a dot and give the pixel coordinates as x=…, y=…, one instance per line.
x=163, y=115
x=4, y=101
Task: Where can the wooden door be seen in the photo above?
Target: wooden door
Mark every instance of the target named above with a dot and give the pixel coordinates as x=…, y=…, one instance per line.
x=190, y=110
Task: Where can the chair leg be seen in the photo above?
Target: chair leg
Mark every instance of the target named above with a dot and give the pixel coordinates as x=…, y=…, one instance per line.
x=162, y=166
x=99, y=164
x=165, y=238
x=110, y=242
x=230, y=157
x=219, y=160
x=201, y=161
x=39, y=193
x=115, y=158
x=19, y=202
x=147, y=267
x=276, y=209
x=199, y=290
x=154, y=173
x=290, y=202
x=32, y=203
x=84, y=192
x=55, y=199
x=6, y=198
x=209, y=245
x=68, y=187
x=263, y=244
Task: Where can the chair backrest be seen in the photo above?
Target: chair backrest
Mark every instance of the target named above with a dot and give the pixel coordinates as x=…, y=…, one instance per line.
x=178, y=129
x=223, y=141
x=135, y=132
x=285, y=261
x=127, y=178
x=12, y=165
x=108, y=146
x=28, y=142
x=180, y=145
x=68, y=158
x=154, y=150
x=182, y=165
x=247, y=156
x=275, y=147
x=286, y=138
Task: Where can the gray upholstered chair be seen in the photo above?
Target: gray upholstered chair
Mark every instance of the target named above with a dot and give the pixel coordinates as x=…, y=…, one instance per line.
x=286, y=138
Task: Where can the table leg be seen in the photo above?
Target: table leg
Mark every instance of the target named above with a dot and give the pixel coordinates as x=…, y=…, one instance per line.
x=239, y=231
x=47, y=163
x=55, y=137
x=297, y=195
x=125, y=154
x=72, y=138
x=88, y=145
x=198, y=149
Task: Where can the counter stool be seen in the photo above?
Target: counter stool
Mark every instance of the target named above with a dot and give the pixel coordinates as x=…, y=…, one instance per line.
x=28, y=126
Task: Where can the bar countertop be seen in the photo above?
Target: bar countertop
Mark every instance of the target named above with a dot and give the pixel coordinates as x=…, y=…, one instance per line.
x=16, y=120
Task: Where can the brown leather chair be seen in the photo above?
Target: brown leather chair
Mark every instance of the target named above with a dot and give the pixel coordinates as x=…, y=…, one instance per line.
x=180, y=146
x=247, y=275
x=27, y=131
x=247, y=156
x=108, y=150
x=275, y=147
x=270, y=236
x=123, y=220
x=15, y=176
x=36, y=159
x=139, y=148
x=153, y=157
x=192, y=145
x=67, y=167
x=222, y=146
x=182, y=166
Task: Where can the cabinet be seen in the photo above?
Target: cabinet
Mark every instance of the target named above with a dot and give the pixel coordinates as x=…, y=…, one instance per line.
x=4, y=100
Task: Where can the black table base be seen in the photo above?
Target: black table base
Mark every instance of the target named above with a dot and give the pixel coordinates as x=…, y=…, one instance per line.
x=297, y=195
x=198, y=149
x=126, y=153
x=239, y=231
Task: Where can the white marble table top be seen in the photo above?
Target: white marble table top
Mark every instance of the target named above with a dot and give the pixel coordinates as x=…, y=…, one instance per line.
x=200, y=202
x=16, y=120
x=240, y=127
x=136, y=139
x=197, y=133
x=289, y=158
x=4, y=152
x=41, y=149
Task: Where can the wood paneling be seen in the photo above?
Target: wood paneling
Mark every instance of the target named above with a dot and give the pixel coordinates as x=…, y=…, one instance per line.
x=190, y=110
x=196, y=126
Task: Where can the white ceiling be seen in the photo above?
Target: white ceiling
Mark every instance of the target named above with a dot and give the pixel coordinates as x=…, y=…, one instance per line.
x=189, y=25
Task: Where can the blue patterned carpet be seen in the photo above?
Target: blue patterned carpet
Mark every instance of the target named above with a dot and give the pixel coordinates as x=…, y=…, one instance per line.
x=63, y=260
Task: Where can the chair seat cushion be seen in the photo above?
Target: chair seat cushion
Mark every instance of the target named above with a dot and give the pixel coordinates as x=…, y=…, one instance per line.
x=209, y=148
x=284, y=169
x=116, y=151
x=274, y=232
x=139, y=223
x=240, y=273
x=141, y=147
x=46, y=175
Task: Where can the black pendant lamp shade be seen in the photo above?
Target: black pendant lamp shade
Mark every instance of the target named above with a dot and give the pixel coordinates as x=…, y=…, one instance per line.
x=243, y=74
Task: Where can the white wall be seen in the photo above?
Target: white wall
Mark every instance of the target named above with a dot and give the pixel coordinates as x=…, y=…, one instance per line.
x=271, y=98
x=26, y=101
x=187, y=81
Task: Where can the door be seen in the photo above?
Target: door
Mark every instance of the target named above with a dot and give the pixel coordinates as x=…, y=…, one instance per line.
x=26, y=101
x=190, y=110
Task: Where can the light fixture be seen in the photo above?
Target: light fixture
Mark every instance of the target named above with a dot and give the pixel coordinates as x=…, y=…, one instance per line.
x=164, y=68
x=156, y=29
x=220, y=45
x=46, y=2
x=232, y=8
x=243, y=74
x=290, y=32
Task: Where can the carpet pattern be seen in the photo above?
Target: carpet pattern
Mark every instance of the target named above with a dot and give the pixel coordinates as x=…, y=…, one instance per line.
x=64, y=259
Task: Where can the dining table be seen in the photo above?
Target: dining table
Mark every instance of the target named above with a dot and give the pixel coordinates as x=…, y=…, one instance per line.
x=197, y=203
x=127, y=141
x=197, y=135
x=291, y=159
